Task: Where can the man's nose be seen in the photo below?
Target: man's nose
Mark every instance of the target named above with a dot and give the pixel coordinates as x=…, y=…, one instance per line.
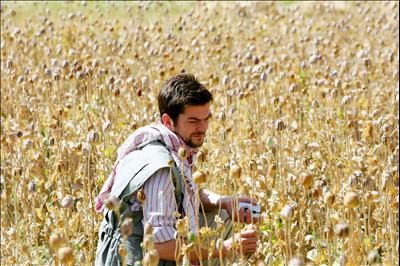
x=202, y=126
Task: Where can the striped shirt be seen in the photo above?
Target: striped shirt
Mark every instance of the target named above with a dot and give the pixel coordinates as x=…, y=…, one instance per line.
x=159, y=191
x=159, y=205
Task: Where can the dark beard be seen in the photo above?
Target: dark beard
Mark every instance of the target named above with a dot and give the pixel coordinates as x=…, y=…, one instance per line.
x=190, y=143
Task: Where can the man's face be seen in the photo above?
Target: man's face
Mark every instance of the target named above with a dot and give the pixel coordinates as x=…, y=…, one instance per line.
x=192, y=124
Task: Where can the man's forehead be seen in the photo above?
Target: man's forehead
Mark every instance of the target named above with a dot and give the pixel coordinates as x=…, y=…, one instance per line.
x=197, y=111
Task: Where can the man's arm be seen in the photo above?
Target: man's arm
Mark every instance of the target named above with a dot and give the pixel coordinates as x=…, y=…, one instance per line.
x=167, y=251
x=247, y=239
x=211, y=200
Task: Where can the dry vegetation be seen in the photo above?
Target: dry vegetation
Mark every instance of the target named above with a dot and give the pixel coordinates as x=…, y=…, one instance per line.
x=306, y=104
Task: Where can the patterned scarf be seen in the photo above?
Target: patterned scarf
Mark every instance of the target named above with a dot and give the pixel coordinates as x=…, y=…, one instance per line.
x=140, y=138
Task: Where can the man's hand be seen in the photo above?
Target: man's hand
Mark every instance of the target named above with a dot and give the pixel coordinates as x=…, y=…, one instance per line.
x=243, y=216
x=247, y=239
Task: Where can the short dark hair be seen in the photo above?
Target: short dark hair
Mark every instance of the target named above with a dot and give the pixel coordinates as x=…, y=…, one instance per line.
x=180, y=91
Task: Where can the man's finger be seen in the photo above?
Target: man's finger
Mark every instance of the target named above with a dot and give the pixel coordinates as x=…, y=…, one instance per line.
x=248, y=199
x=248, y=216
x=241, y=215
x=248, y=233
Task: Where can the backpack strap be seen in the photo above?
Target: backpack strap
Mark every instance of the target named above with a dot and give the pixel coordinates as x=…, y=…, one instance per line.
x=137, y=167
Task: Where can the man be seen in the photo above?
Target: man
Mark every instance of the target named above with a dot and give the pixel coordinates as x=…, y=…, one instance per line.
x=152, y=178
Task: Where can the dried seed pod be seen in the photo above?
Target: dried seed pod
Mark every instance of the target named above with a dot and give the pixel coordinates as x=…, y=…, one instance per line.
x=32, y=187
x=148, y=229
x=342, y=230
x=86, y=149
x=122, y=250
x=151, y=258
x=106, y=126
x=279, y=125
x=306, y=179
x=351, y=200
x=82, y=258
x=127, y=227
x=329, y=198
x=66, y=255
x=297, y=261
x=84, y=242
x=201, y=157
x=112, y=202
x=221, y=116
x=253, y=165
x=67, y=202
x=264, y=76
x=373, y=257
x=235, y=171
x=56, y=241
x=148, y=243
x=17, y=171
x=182, y=226
x=342, y=259
x=199, y=177
x=182, y=153
x=141, y=196
x=328, y=233
x=367, y=62
x=225, y=80
x=93, y=137
x=20, y=80
x=10, y=63
x=287, y=212
x=27, y=144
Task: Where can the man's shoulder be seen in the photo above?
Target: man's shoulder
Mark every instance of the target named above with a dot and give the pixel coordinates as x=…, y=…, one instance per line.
x=156, y=150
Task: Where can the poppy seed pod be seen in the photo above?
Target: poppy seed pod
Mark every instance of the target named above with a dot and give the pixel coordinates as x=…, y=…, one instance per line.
x=32, y=187
x=235, y=171
x=147, y=243
x=122, y=250
x=201, y=157
x=127, y=227
x=56, y=241
x=351, y=200
x=306, y=179
x=148, y=229
x=287, y=212
x=373, y=257
x=328, y=233
x=151, y=258
x=141, y=196
x=296, y=261
x=367, y=62
x=342, y=230
x=199, y=177
x=182, y=153
x=9, y=63
x=65, y=255
x=182, y=226
x=342, y=260
x=279, y=125
x=93, y=137
x=86, y=149
x=112, y=202
x=67, y=202
x=253, y=165
x=329, y=198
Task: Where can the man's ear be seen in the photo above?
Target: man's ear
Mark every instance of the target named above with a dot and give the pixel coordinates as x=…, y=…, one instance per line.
x=167, y=121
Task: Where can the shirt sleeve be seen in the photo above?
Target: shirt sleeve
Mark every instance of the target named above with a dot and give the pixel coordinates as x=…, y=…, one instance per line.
x=160, y=205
